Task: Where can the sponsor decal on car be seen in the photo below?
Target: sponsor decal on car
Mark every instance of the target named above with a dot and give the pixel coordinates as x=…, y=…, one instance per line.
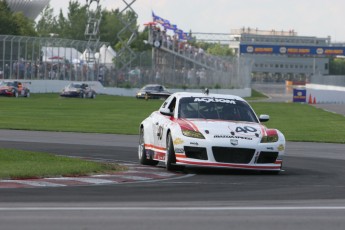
x=231, y=136
x=179, y=150
x=234, y=141
x=178, y=141
x=208, y=100
x=281, y=147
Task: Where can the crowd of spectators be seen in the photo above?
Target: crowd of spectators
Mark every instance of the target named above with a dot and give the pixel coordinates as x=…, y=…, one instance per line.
x=186, y=49
x=59, y=70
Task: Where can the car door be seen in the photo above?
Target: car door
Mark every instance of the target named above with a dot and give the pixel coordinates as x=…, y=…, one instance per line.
x=164, y=123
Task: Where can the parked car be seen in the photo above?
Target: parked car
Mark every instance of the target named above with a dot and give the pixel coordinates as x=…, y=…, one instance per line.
x=14, y=89
x=153, y=91
x=77, y=89
x=210, y=130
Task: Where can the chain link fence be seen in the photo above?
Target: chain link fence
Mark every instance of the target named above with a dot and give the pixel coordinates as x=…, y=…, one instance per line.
x=173, y=64
x=35, y=58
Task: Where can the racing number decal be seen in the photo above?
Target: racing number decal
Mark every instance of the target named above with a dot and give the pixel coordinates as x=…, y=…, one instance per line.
x=245, y=129
x=160, y=132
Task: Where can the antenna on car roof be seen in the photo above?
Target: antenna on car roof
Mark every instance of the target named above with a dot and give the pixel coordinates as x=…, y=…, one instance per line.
x=206, y=91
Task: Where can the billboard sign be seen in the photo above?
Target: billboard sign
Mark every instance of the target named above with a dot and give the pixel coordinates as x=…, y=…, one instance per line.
x=293, y=50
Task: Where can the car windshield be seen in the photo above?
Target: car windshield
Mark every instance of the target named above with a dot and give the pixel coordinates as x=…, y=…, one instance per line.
x=73, y=85
x=215, y=108
x=7, y=83
x=154, y=88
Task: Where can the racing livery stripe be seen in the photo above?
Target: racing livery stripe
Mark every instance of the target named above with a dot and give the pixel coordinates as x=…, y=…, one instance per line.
x=227, y=165
x=154, y=147
x=193, y=125
x=263, y=130
x=186, y=125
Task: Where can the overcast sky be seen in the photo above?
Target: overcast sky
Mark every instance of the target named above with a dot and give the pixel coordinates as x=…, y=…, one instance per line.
x=319, y=18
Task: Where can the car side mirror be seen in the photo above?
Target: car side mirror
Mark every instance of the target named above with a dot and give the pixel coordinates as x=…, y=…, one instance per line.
x=264, y=118
x=166, y=112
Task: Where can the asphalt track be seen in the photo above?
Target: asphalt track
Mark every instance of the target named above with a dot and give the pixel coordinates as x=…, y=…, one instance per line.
x=309, y=194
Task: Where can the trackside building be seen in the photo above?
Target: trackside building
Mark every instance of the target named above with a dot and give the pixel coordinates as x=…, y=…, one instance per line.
x=283, y=55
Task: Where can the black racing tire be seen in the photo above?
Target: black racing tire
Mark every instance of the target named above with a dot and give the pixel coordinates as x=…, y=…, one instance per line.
x=170, y=162
x=142, y=151
x=270, y=172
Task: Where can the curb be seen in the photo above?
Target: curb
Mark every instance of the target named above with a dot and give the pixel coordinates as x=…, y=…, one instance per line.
x=135, y=173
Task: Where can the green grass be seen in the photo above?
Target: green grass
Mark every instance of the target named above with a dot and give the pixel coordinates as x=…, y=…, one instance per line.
x=18, y=164
x=256, y=95
x=122, y=115
x=49, y=112
x=302, y=122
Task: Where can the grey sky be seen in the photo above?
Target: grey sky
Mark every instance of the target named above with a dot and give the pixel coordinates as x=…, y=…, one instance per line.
x=319, y=18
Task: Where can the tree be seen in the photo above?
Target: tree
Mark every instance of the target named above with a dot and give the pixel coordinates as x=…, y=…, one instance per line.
x=219, y=50
x=337, y=66
x=47, y=24
x=7, y=23
x=25, y=26
x=72, y=26
x=76, y=22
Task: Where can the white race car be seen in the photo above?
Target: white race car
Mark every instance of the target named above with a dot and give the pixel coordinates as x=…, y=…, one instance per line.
x=210, y=130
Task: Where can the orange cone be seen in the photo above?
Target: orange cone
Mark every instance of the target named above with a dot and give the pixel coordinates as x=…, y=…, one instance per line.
x=310, y=100
x=314, y=101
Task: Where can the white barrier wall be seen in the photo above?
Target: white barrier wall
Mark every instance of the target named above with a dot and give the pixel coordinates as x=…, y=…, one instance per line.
x=55, y=86
x=326, y=94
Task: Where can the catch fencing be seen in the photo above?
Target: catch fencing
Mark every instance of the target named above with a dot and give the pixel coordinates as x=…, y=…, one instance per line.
x=174, y=64
x=37, y=58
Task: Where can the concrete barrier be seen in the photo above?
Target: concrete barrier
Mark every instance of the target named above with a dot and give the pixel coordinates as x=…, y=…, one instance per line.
x=56, y=86
x=326, y=94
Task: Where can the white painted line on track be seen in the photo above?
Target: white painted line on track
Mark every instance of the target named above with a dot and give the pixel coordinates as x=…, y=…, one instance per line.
x=134, y=177
x=86, y=180
x=255, y=208
x=34, y=183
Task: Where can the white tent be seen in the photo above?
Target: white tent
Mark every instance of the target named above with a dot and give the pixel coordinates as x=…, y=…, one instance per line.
x=56, y=54
x=106, y=55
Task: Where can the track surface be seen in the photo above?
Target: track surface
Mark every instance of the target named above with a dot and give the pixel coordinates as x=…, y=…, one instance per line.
x=310, y=194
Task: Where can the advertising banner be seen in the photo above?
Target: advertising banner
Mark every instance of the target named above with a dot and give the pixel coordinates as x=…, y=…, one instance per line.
x=299, y=95
x=293, y=50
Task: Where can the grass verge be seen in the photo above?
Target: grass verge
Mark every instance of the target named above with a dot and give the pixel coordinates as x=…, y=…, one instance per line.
x=122, y=115
x=18, y=164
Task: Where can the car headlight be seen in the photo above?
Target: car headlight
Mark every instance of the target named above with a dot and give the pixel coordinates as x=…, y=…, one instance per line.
x=270, y=137
x=191, y=133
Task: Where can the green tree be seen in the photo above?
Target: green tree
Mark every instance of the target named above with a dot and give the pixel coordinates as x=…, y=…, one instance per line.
x=8, y=24
x=15, y=23
x=110, y=26
x=219, y=50
x=47, y=24
x=25, y=26
x=73, y=27
x=337, y=66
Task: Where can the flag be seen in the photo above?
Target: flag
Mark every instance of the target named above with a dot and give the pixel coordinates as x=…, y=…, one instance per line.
x=169, y=26
x=159, y=19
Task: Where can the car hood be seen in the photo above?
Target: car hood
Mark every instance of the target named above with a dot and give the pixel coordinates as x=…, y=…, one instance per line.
x=71, y=89
x=224, y=129
x=5, y=87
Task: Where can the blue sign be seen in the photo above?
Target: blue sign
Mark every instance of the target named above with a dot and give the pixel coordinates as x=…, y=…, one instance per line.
x=293, y=50
x=299, y=95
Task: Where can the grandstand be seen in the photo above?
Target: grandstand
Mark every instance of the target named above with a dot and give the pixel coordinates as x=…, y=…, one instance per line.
x=30, y=8
x=266, y=49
